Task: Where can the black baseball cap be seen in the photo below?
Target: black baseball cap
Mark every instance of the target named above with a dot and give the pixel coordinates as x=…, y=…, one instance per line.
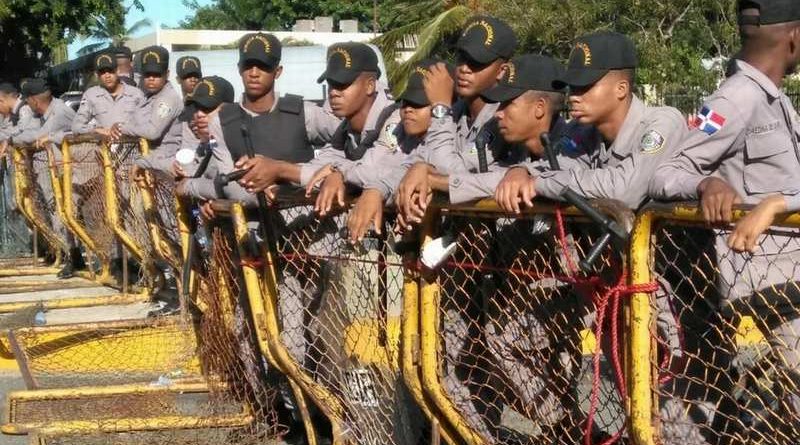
x=486, y=39
x=105, y=61
x=188, y=66
x=122, y=52
x=530, y=72
x=415, y=90
x=260, y=47
x=33, y=87
x=8, y=88
x=212, y=91
x=155, y=59
x=770, y=12
x=347, y=60
x=594, y=55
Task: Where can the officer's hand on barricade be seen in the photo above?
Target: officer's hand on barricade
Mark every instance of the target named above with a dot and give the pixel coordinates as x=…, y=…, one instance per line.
x=317, y=178
x=261, y=173
x=42, y=142
x=400, y=224
x=517, y=187
x=439, y=85
x=745, y=235
x=3, y=149
x=414, y=192
x=332, y=189
x=717, y=199
x=368, y=210
x=115, y=132
x=105, y=132
x=207, y=211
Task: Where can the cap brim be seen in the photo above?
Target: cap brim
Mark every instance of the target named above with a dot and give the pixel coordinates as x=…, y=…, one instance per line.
x=582, y=77
x=191, y=73
x=341, y=77
x=267, y=62
x=415, y=96
x=502, y=93
x=153, y=68
x=479, y=53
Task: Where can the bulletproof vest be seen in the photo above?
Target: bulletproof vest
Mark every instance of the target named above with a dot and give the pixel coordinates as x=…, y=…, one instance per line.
x=280, y=134
x=354, y=152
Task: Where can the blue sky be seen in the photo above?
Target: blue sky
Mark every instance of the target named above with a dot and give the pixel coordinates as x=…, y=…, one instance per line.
x=163, y=12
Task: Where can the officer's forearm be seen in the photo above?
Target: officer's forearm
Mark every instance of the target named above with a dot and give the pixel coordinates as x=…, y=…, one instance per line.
x=289, y=172
x=440, y=183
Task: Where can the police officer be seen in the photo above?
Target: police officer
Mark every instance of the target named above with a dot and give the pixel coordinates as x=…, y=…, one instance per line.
x=111, y=102
x=744, y=149
x=484, y=48
x=284, y=129
x=56, y=121
x=384, y=165
x=356, y=96
x=156, y=119
x=18, y=117
x=634, y=139
x=188, y=72
x=125, y=71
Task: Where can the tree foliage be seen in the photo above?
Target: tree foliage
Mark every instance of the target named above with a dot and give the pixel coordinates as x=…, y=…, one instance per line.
x=273, y=15
x=32, y=30
x=110, y=31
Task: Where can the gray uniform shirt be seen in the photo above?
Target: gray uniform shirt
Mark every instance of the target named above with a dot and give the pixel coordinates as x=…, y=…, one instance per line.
x=577, y=143
x=320, y=124
x=755, y=149
x=99, y=109
x=26, y=122
x=328, y=155
x=649, y=137
x=56, y=123
x=156, y=120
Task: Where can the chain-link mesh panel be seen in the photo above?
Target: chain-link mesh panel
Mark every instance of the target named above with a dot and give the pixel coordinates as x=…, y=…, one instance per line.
x=339, y=307
x=14, y=233
x=106, y=353
x=515, y=328
x=85, y=195
x=38, y=194
x=727, y=369
x=163, y=218
x=229, y=347
x=127, y=215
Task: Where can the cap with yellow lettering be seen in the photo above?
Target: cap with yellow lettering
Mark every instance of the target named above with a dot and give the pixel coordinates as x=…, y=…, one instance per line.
x=415, y=88
x=188, y=66
x=530, y=72
x=155, y=60
x=347, y=60
x=260, y=48
x=212, y=91
x=768, y=12
x=105, y=61
x=486, y=39
x=594, y=55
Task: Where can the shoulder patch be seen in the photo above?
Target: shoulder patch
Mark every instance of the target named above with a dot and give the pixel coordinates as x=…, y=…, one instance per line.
x=389, y=136
x=164, y=109
x=652, y=142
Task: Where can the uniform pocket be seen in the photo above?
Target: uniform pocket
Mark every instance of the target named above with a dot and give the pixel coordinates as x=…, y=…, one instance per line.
x=768, y=158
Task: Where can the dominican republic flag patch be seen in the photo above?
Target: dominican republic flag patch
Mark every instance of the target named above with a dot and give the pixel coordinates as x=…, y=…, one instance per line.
x=709, y=121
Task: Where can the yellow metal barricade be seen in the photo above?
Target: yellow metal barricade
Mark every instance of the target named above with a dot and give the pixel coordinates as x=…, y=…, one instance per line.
x=718, y=357
x=329, y=315
x=32, y=175
x=510, y=328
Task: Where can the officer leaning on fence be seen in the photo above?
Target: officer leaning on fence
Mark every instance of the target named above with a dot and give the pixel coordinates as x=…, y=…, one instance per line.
x=484, y=48
x=383, y=166
x=745, y=149
x=112, y=102
x=635, y=138
x=357, y=97
x=188, y=73
x=156, y=119
x=56, y=122
x=282, y=129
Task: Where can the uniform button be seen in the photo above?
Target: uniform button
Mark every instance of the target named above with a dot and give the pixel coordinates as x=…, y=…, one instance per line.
x=456, y=182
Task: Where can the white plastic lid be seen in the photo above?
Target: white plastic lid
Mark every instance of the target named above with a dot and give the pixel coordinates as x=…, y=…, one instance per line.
x=184, y=156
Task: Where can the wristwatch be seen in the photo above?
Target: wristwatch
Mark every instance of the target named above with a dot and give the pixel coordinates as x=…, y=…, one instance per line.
x=440, y=111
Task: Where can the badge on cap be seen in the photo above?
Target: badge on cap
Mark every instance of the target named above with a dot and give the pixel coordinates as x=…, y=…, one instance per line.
x=652, y=142
x=164, y=110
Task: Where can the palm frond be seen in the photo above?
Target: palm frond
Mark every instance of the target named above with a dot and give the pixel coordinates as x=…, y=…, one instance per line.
x=92, y=47
x=138, y=26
